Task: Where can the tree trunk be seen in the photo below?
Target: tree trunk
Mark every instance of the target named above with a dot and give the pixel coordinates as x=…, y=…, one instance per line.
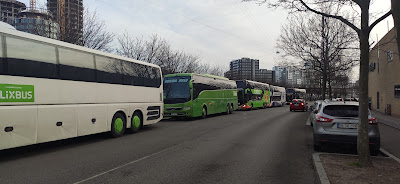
x=330, y=87
x=396, y=18
x=324, y=79
x=362, y=139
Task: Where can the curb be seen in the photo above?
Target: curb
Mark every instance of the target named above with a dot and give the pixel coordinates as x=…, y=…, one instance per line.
x=319, y=169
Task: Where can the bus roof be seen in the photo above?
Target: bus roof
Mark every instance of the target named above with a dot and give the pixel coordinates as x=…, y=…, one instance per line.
x=298, y=90
x=278, y=88
x=191, y=74
x=69, y=45
x=254, y=82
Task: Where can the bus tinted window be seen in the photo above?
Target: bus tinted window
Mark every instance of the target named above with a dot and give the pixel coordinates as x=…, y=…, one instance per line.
x=140, y=75
x=108, y=70
x=31, y=59
x=76, y=65
x=2, y=61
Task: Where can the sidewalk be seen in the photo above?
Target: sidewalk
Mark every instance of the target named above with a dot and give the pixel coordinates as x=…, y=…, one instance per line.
x=392, y=121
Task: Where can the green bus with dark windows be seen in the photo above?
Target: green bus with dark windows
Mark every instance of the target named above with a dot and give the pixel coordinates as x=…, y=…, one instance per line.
x=253, y=94
x=198, y=95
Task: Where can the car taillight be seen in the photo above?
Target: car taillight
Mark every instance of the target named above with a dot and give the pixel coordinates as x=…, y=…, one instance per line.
x=373, y=121
x=291, y=103
x=322, y=119
x=302, y=104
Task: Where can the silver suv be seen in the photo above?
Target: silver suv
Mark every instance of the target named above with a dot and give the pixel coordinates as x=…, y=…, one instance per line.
x=337, y=122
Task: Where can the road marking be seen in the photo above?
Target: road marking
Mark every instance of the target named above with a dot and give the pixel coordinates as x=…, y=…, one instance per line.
x=130, y=163
x=390, y=155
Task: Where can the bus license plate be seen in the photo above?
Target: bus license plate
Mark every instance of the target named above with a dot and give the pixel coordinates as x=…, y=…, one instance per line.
x=348, y=126
x=174, y=114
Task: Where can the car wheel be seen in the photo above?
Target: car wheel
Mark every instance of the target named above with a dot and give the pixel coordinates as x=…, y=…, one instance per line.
x=374, y=152
x=227, y=110
x=231, y=109
x=251, y=108
x=204, y=113
x=317, y=148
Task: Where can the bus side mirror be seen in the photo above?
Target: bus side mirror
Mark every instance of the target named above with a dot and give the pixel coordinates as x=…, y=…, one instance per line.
x=191, y=84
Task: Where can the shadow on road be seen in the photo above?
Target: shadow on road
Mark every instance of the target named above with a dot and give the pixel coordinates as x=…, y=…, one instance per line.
x=37, y=149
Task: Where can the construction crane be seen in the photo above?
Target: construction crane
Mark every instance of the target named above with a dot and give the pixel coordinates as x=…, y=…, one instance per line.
x=33, y=4
x=61, y=18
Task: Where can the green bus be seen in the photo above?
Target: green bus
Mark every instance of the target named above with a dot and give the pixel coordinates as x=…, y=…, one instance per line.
x=198, y=95
x=253, y=94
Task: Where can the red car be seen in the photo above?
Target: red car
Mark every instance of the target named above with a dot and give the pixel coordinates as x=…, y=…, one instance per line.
x=298, y=104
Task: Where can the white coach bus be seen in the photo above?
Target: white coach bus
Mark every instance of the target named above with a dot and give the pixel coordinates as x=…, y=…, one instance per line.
x=51, y=90
x=278, y=97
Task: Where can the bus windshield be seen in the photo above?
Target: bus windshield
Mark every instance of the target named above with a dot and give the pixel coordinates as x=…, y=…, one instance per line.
x=290, y=91
x=176, y=89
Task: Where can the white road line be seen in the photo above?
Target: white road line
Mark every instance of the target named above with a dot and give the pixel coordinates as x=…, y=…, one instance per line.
x=130, y=163
x=390, y=155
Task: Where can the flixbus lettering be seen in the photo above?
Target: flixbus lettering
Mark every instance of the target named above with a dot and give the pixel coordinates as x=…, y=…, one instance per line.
x=10, y=93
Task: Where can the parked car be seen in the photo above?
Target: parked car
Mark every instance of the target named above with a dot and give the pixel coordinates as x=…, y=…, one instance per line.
x=337, y=122
x=298, y=104
x=314, y=108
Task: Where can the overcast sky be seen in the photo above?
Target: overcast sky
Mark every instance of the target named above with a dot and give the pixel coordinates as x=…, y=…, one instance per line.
x=216, y=30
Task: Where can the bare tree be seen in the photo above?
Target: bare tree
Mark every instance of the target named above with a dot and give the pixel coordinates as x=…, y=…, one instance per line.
x=363, y=32
x=320, y=44
x=158, y=51
x=396, y=18
x=95, y=34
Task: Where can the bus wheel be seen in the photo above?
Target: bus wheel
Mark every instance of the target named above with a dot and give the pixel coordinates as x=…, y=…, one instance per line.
x=136, y=122
x=204, y=113
x=118, y=125
x=251, y=108
x=227, y=110
x=231, y=109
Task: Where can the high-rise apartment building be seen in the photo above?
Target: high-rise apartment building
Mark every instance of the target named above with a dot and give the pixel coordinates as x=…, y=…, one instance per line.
x=9, y=10
x=69, y=15
x=37, y=21
x=249, y=69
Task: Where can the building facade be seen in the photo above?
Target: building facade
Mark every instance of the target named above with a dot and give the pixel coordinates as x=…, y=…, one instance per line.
x=10, y=9
x=290, y=76
x=37, y=21
x=69, y=15
x=384, y=75
x=249, y=69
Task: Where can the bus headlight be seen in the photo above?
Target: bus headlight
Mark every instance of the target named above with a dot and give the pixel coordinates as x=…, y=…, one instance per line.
x=186, y=108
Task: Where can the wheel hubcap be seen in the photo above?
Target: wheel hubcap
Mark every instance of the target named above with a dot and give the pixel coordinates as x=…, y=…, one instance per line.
x=118, y=125
x=136, y=122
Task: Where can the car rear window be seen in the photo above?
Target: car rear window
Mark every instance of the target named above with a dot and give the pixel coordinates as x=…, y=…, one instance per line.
x=341, y=110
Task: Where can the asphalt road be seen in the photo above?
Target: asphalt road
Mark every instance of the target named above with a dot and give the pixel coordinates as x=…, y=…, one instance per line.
x=261, y=146
x=390, y=139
